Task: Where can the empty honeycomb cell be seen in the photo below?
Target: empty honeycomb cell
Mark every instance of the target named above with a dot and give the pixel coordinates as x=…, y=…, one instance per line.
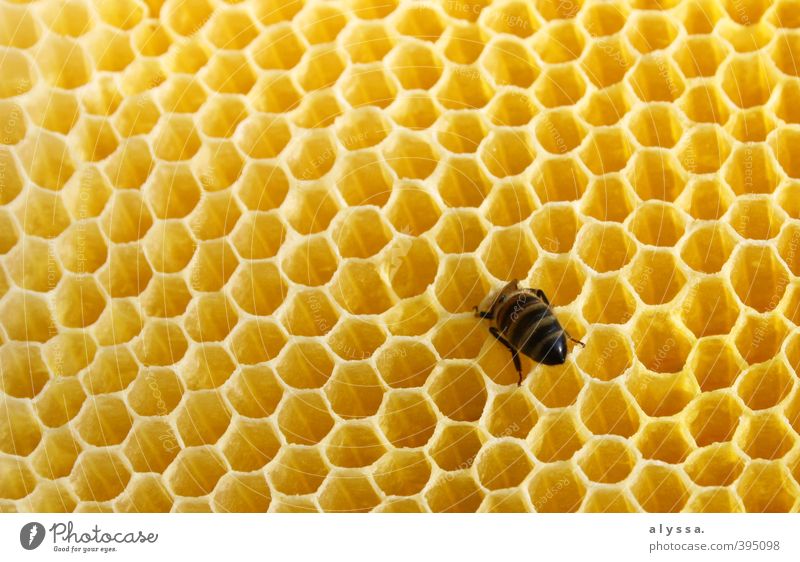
x=99, y=475
x=57, y=455
x=410, y=156
x=748, y=80
x=110, y=49
x=746, y=13
x=104, y=420
x=509, y=202
x=19, y=431
x=608, y=199
x=42, y=213
x=703, y=104
x=212, y=265
x=607, y=500
x=195, y=471
x=756, y=219
x=354, y=445
x=508, y=63
x=660, y=489
x=607, y=150
x=660, y=343
x=241, y=493
x=561, y=278
x=606, y=408
x=206, y=366
x=348, y=491
x=362, y=128
x=112, y=370
x=463, y=87
x=354, y=390
x=556, y=386
x=766, y=384
x=18, y=481
x=355, y=339
x=19, y=28
x=661, y=394
x=263, y=186
x=144, y=494
x=411, y=265
x=503, y=465
x=119, y=323
x=165, y=296
x=298, y=470
x=719, y=464
x=312, y=155
x=9, y=236
x=50, y=497
x=359, y=289
x=751, y=125
x=310, y=313
x=402, y=473
x=176, y=139
x=364, y=179
x=367, y=41
x=257, y=287
x=656, y=174
x=556, y=437
x=463, y=183
x=656, y=276
x=510, y=253
x=765, y=435
x=649, y=32
x=305, y=418
x=155, y=391
x=26, y=317
x=231, y=29
x=559, y=86
x=606, y=62
x=458, y=493
x=228, y=72
x=511, y=414
x=407, y=419
x=405, y=363
x=305, y=364
x=318, y=109
x=182, y=94
x=556, y=488
x=202, y=418
x=715, y=364
x=657, y=224
x=783, y=16
x=756, y=266
x=460, y=231
x=13, y=121
x=130, y=165
x=459, y=392
x=60, y=401
x=560, y=41
x=62, y=63
x=606, y=460
x=47, y=160
x=69, y=352
x=320, y=67
x=704, y=150
x=762, y=337
x=505, y=501
x=511, y=108
x=255, y=341
x=700, y=56
x=253, y=391
x=707, y=248
x=360, y=232
x=713, y=417
x=32, y=265
x=463, y=43
x=369, y=85
x=656, y=125
x=24, y=373
x=250, y=444
x=161, y=343
x=664, y=441
x=656, y=78
x=791, y=306
x=767, y=487
x=607, y=354
x=605, y=247
x=20, y=75
x=558, y=131
x=151, y=446
x=221, y=116
x=414, y=110
x=81, y=247
x=559, y=179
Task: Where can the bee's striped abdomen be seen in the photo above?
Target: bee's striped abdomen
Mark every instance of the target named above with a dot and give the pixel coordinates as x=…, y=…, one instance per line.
x=531, y=327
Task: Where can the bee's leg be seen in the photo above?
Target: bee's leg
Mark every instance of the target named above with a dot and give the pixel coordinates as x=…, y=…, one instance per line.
x=483, y=313
x=541, y=295
x=514, y=354
x=573, y=340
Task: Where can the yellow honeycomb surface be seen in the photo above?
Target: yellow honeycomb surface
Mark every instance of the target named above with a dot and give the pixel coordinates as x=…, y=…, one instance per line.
x=240, y=244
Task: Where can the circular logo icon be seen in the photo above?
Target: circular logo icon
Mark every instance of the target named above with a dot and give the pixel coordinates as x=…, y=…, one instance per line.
x=31, y=535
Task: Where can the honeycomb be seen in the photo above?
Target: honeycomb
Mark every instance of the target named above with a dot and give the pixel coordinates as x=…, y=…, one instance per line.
x=240, y=243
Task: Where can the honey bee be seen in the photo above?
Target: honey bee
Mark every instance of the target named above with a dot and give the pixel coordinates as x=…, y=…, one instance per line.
x=525, y=323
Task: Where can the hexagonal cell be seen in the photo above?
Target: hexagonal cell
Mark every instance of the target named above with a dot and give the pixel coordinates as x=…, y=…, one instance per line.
x=191, y=505
x=26, y=317
x=99, y=475
x=606, y=460
x=145, y=494
x=607, y=106
x=318, y=109
x=257, y=287
x=250, y=444
x=310, y=313
x=560, y=86
x=709, y=308
x=608, y=500
x=104, y=420
x=24, y=373
x=760, y=338
x=203, y=417
x=369, y=84
x=665, y=441
x=354, y=390
x=503, y=465
x=560, y=41
x=354, y=445
x=414, y=110
x=459, y=391
x=462, y=87
x=126, y=273
x=263, y=186
x=511, y=414
x=561, y=278
x=607, y=409
x=155, y=392
x=719, y=464
x=607, y=150
x=461, y=131
x=509, y=63
x=505, y=501
x=195, y=471
x=113, y=369
x=360, y=232
x=700, y=56
x=151, y=446
x=559, y=132
x=20, y=431
x=607, y=354
x=254, y=391
x=510, y=253
x=228, y=72
x=661, y=345
x=60, y=401
x=556, y=386
x=162, y=343
x=656, y=276
x=355, y=339
x=751, y=125
x=206, y=366
x=754, y=269
x=255, y=341
x=765, y=435
x=556, y=488
x=458, y=493
x=49, y=497
x=511, y=109
x=660, y=489
x=460, y=284
x=33, y=265
x=165, y=297
x=359, y=289
x=655, y=174
x=767, y=487
x=605, y=247
x=41, y=213
x=312, y=155
x=242, y=493
x=607, y=61
x=649, y=32
x=708, y=247
x=756, y=218
x=405, y=363
x=608, y=199
x=460, y=231
x=364, y=179
x=304, y=418
x=509, y=202
x=704, y=150
x=704, y=104
x=661, y=394
x=362, y=127
x=213, y=263
x=119, y=323
x=656, y=78
x=463, y=182
x=297, y=470
x=314, y=250
x=556, y=437
x=715, y=363
x=407, y=419
x=713, y=417
x=760, y=82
